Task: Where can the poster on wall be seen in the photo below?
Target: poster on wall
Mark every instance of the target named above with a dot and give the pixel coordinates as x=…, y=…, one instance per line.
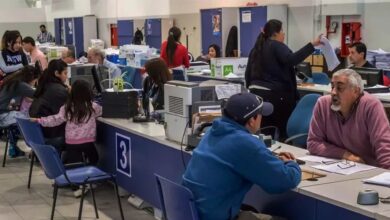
x=70, y=27
x=246, y=17
x=149, y=27
x=216, y=25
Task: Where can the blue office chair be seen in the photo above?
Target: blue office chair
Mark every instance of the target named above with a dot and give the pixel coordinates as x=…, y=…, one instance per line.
x=179, y=74
x=177, y=202
x=32, y=133
x=320, y=78
x=299, y=121
x=55, y=170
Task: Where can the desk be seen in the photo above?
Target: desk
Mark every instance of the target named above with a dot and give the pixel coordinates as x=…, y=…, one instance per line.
x=383, y=215
x=152, y=153
x=326, y=89
x=338, y=194
x=192, y=77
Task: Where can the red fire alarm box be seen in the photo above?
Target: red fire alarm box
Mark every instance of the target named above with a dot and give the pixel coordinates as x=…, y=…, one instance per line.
x=350, y=33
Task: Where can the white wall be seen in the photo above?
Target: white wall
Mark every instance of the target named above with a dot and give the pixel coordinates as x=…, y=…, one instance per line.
x=68, y=8
x=143, y=8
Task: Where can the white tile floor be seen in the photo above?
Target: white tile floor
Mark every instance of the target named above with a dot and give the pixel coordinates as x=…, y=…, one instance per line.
x=19, y=203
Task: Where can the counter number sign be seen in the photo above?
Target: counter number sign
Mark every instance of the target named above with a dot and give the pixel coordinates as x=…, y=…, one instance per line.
x=123, y=154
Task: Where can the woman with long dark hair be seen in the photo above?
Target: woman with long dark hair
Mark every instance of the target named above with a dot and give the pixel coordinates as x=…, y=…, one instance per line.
x=50, y=95
x=173, y=52
x=153, y=85
x=15, y=88
x=270, y=73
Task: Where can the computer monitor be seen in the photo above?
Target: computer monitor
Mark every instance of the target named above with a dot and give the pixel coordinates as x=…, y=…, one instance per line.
x=94, y=74
x=370, y=76
x=303, y=70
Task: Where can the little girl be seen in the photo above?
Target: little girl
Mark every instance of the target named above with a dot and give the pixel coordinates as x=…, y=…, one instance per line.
x=80, y=115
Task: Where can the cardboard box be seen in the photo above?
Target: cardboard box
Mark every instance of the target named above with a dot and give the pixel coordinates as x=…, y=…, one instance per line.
x=309, y=59
x=318, y=60
x=317, y=69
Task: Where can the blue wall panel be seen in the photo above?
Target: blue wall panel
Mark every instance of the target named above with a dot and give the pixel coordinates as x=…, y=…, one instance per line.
x=208, y=35
x=125, y=32
x=57, y=30
x=153, y=33
x=79, y=35
x=249, y=31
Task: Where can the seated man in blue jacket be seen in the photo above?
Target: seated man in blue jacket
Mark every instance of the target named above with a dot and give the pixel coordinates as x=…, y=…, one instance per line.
x=229, y=160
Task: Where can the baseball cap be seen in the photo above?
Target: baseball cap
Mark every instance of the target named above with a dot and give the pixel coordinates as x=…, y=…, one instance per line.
x=242, y=106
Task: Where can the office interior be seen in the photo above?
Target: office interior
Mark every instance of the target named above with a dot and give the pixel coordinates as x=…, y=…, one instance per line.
x=135, y=143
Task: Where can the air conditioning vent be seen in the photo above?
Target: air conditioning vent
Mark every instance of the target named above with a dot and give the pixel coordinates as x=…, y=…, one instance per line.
x=176, y=105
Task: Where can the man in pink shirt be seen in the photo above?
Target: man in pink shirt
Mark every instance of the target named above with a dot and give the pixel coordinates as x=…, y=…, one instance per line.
x=350, y=123
x=35, y=53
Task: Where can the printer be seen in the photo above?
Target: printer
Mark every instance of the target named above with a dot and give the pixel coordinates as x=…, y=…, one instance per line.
x=179, y=98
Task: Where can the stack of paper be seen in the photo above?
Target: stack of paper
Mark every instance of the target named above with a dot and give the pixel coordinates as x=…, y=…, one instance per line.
x=381, y=179
x=318, y=159
x=340, y=168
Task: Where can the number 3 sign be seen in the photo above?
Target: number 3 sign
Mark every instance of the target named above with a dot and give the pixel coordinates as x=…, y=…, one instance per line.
x=123, y=154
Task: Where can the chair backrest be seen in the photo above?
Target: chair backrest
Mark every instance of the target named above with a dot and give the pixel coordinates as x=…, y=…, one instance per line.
x=31, y=131
x=299, y=121
x=49, y=159
x=320, y=78
x=177, y=202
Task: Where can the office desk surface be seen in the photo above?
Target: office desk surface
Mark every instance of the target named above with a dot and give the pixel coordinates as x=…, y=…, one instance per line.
x=383, y=215
x=149, y=130
x=326, y=89
x=344, y=194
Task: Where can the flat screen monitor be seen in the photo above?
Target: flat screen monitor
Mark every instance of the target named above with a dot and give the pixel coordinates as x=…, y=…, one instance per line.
x=94, y=74
x=303, y=70
x=370, y=76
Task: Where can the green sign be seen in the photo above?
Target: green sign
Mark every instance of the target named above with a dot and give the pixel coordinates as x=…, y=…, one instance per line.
x=227, y=69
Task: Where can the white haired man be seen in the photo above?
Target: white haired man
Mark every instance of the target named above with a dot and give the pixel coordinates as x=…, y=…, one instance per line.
x=97, y=56
x=350, y=123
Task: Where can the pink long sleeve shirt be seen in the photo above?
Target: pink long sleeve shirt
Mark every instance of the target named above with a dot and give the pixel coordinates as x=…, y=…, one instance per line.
x=365, y=133
x=75, y=133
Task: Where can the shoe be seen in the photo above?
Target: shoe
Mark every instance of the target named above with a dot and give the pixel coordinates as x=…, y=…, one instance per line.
x=78, y=193
x=14, y=151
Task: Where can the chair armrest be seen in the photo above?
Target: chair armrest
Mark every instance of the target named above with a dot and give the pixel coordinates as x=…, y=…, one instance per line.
x=292, y=138
x=275, y=136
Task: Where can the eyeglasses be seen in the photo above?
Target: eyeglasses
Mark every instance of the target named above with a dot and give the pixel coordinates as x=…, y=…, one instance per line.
x=257, y=108
x=346, y=164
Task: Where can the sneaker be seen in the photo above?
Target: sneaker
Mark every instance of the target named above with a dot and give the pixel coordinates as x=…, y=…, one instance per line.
x=78, y=192
x=12, y=151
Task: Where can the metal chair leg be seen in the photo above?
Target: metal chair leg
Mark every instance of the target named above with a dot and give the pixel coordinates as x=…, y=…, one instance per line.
x=31, y=168
x=119, y=199
x=6, y=147
x=54, y=201
x=81, y=201
x=94, y=201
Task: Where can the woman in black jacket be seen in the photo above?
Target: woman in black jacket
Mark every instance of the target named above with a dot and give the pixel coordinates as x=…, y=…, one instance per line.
x=270, y=73
x=50, y=95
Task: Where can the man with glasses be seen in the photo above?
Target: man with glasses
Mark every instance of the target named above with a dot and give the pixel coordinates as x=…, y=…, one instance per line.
x=350, y=124
x=229, y=160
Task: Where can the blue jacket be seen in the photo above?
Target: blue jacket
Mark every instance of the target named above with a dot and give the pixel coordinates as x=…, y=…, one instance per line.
x=225, y=165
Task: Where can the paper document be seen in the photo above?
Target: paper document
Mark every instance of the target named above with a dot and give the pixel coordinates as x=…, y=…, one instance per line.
x=344, y=168
x=329, y=54
x=226, y=90
x=318, y=159
x=381, y=179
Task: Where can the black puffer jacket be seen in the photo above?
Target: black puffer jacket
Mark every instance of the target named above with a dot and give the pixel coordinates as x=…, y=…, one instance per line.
x=49, y=103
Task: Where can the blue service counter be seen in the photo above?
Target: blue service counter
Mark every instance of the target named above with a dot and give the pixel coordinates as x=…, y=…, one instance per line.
x=136, y=151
